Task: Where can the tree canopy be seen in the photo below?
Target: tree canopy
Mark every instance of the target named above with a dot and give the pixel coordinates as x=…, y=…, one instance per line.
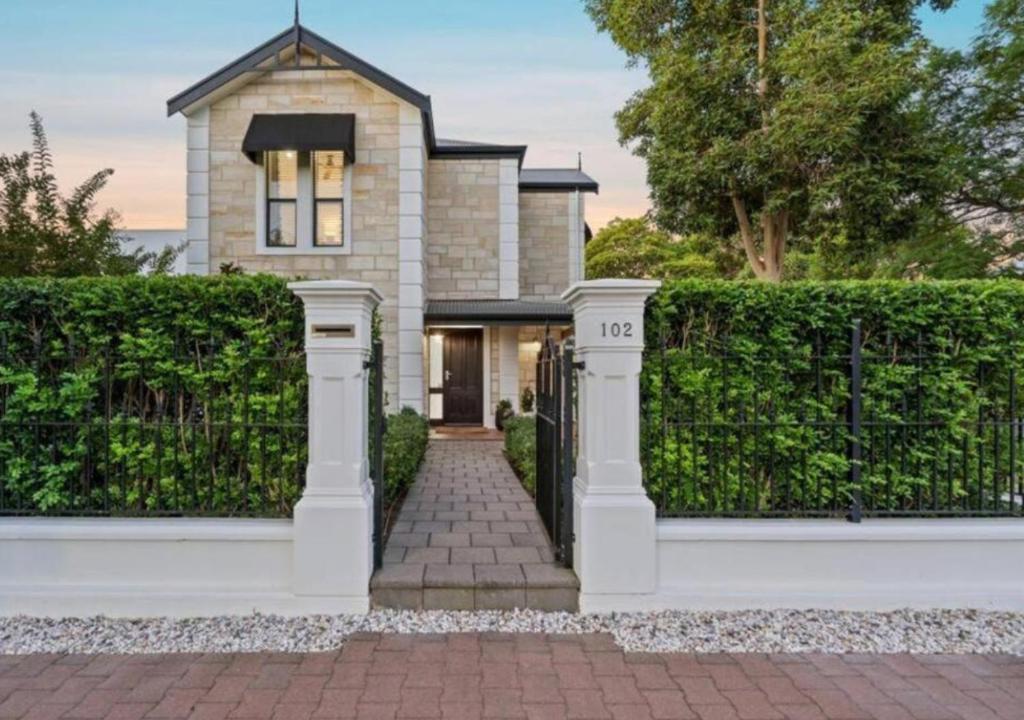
x=978, y=97
x=42, y=232
x=633, y=248
x=769, y=123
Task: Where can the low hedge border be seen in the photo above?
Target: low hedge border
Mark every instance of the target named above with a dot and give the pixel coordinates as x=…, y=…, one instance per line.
x=405, y=446
x=521, y=449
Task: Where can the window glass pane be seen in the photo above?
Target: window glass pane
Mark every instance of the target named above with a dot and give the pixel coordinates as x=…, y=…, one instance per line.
x=281, y=224
x=436, y=360
x=328, y=224
x=330, y=174
x=282, y=174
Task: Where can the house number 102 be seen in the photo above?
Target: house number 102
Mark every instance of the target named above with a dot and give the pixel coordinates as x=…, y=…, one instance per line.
x=617, y=330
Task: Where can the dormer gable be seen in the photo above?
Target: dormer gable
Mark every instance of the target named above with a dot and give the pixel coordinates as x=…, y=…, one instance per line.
x=296, y=49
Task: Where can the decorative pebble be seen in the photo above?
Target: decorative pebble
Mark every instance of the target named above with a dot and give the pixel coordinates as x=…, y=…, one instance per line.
x=764, y=631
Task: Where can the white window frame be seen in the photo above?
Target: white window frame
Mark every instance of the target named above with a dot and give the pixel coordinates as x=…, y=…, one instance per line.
x=304, y=204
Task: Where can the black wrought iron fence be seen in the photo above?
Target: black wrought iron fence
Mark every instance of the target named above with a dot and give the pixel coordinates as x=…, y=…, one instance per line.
x=880, y=428
x=194, y=431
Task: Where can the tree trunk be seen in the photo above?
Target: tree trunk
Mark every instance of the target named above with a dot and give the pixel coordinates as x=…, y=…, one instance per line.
x=768, y=263
x=762, y=49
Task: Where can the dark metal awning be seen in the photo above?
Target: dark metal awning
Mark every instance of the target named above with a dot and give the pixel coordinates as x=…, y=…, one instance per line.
x=302, y=132
x=497, y=312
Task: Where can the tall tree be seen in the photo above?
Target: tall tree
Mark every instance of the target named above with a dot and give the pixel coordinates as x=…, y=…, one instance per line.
x=978, y=96
x=633, y=248
x=44, y=233
x=766, y=119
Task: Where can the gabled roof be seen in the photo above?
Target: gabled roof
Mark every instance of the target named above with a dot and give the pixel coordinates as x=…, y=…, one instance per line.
x=298, y=34
x=256, y=61
x=555, y=179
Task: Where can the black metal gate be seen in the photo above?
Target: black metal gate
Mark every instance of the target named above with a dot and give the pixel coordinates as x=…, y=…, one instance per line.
x=375, y=426
x=556, y=443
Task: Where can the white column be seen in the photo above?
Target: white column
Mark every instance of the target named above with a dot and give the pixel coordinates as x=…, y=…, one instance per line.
x=577, y=239
x=508, y=365
x=614, y=520
x=197, y=253
x=508, y=229
x=333, y=547
x=412, y=238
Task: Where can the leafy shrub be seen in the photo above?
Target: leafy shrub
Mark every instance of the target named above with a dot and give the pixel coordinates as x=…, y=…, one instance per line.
x=155, y=395
x=745, y=388
x=405, y=444
x=521, y=449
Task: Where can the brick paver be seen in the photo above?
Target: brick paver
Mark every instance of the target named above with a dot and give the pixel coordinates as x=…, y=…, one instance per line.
x=469, y=537
x=512, y=676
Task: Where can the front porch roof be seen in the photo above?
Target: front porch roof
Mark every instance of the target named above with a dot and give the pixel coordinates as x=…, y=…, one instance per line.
x=497, y=312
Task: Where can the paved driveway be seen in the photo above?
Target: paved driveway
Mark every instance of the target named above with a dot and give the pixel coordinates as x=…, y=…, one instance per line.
x=512, y=676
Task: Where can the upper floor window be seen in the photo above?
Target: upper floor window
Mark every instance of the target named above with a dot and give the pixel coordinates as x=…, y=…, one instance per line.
x=282, y=198
x=304, y=201
x=329, y=198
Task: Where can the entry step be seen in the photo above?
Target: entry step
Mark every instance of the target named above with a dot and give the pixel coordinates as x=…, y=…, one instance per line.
x=536, y=586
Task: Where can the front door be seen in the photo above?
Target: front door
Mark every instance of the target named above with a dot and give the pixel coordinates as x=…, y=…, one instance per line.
x=464, y=377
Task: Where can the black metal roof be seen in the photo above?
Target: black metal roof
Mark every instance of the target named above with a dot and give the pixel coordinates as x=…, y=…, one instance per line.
x=466, y=150
x=556, y=179
x=517, y=312
x=302, y=132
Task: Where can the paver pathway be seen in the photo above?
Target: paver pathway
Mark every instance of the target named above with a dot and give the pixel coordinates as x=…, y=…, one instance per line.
x=469, y=537
x=508, y=676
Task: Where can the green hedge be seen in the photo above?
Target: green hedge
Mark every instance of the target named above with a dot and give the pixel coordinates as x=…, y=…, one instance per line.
x=405, y=445
x=745, y=388
x=521, y=449
x=158, y=395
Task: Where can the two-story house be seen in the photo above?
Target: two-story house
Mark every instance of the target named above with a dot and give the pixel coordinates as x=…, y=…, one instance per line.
x=304, y=160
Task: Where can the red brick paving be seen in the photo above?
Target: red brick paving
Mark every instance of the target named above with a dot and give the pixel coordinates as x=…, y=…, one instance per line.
x=533, y=677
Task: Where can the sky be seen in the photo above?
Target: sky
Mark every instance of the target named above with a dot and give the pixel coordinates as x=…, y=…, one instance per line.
x=529, y=72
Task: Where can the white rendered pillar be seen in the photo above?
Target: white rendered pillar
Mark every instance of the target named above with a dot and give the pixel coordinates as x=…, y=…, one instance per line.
x=614, y=520
x=333, y=545
x=508, y=365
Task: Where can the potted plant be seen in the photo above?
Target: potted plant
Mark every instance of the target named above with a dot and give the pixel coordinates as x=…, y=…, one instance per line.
x=503, y=412
x=526, y=399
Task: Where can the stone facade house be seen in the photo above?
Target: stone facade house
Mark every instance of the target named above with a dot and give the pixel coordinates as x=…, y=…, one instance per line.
x=306, y=161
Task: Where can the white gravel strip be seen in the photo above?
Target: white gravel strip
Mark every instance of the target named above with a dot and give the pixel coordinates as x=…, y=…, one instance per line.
x=914, y=631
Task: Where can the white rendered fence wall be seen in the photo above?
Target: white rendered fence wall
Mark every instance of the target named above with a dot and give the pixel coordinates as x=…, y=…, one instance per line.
x=320, y=562
x=627, y=559
x=176, y=567
x=876, y=565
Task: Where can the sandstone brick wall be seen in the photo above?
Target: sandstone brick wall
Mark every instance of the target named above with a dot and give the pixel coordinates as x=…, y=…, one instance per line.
x=462, y=229
x=374, y=231
x=543, y=245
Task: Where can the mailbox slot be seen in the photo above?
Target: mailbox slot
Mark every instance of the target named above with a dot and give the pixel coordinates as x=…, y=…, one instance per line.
x=334, y=331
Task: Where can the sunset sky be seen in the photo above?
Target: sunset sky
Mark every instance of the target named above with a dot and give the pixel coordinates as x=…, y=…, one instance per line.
x=529, y=71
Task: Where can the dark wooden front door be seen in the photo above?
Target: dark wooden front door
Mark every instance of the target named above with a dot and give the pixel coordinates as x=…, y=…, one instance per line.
x=464, y=377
